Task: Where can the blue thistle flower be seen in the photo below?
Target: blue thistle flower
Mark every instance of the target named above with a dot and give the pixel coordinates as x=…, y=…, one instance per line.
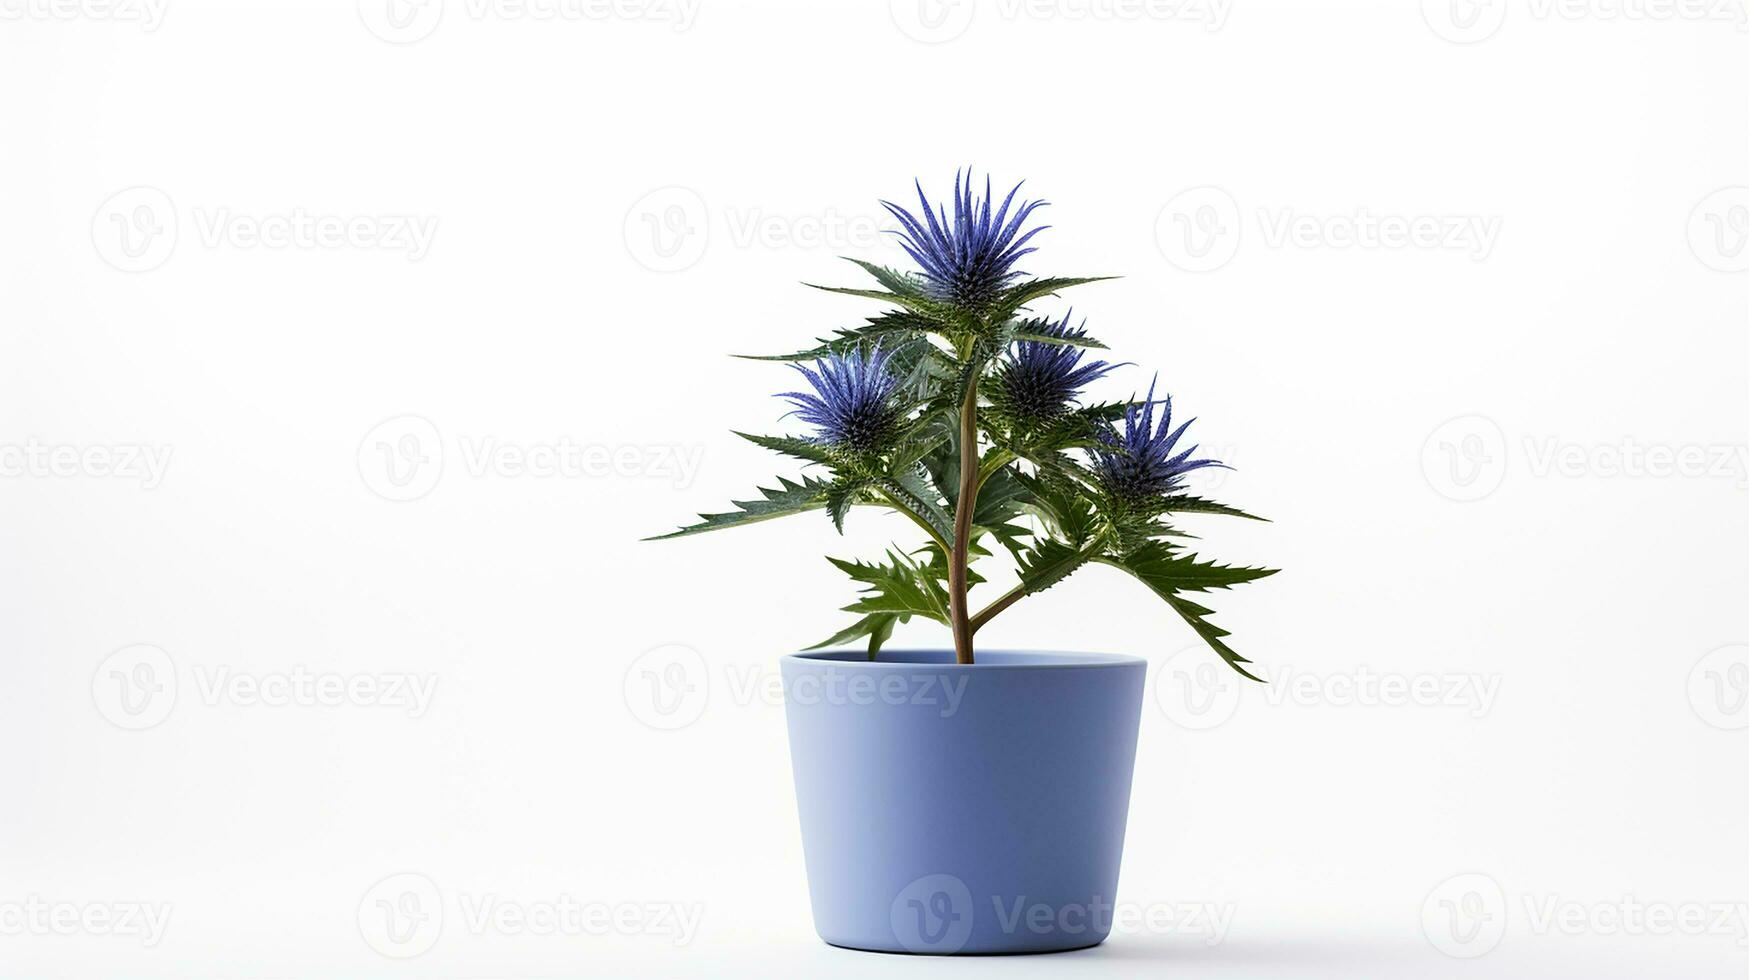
x=1139, y=463
x=970, y=259
x=852, y=403
x=1039, y=380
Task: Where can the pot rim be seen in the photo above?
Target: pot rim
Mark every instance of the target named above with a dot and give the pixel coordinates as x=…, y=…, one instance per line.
x=1028, y=659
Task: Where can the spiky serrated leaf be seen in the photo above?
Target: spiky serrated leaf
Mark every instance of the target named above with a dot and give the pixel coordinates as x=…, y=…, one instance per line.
x=806, y=449
x=878, y=627
x=902, y=290
x=789, y=497
x=1188, y=504
x=1034, y=289
x=1061, y=503
x=841, y=495
x=897, y=586
x=1170, y=574
x=910, y=488
x=886, y=328
x=1050, y=561
x=1030, y=330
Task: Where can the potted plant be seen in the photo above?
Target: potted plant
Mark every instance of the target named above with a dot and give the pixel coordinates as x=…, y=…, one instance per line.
x=961, y=800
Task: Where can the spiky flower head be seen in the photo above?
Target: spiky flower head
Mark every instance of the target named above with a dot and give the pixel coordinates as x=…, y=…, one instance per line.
x=1039, y=380
x=1141, y=461
x=852, y=403
x=968, y=259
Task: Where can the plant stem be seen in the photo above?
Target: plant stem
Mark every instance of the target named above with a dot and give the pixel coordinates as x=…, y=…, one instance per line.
x=1009, y=598
x=970, y=478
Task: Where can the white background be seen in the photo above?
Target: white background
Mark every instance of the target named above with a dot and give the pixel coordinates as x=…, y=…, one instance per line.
x=617, y=201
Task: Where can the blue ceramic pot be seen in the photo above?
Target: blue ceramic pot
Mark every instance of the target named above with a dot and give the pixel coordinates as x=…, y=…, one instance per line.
x=952, y=808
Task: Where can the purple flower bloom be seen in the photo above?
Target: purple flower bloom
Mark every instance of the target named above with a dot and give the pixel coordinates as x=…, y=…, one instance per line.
x=852, y=403
x=1039, y=380
x=1139, y=462
x=969, y=259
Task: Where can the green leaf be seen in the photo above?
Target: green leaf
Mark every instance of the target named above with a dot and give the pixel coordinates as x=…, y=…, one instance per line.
x=1035, y=331
x=795, y=446
x=899, y=586
x=902, y=289
x=885, y=328
x=936, y=567
x=908, y=487
x=789, y=497
x=1050, y=561
x=1187, y=504
x=1059, y=501
x=841, y=496
x=878, y=627
x=1034, y=289
x=1171, y=575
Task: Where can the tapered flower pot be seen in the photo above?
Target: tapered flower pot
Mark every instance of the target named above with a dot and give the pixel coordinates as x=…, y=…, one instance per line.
x=950, y=808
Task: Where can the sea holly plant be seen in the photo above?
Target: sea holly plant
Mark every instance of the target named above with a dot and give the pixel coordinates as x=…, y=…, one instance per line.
x=960, y=406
